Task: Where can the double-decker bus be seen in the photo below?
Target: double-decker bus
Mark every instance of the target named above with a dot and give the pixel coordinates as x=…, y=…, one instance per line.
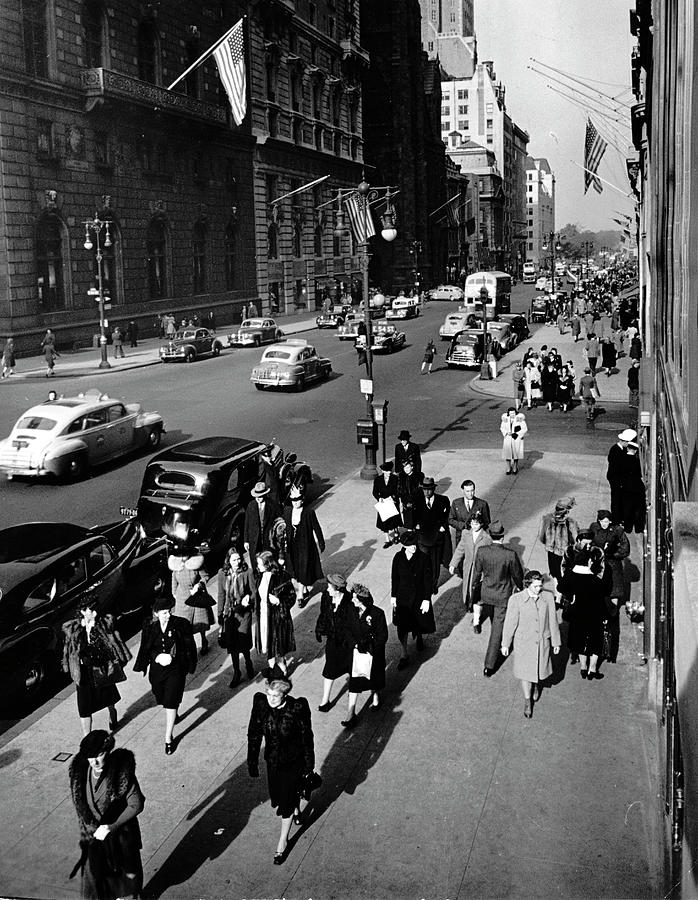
x=498, y=286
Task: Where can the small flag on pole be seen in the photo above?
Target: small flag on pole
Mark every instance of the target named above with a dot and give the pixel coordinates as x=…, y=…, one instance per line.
x=361, y=221
x=230, y=59
x=594, y=149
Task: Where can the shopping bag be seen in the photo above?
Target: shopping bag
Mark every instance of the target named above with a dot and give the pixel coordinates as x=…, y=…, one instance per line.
x=386, y=509
x=361, y=665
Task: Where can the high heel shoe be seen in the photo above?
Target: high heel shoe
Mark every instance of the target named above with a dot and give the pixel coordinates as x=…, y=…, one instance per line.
x=349, y=723
x=297, y=818
x=170, y=747
x=280, y=856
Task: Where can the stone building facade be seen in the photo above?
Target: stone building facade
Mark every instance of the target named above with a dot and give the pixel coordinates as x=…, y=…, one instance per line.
x=540, y=209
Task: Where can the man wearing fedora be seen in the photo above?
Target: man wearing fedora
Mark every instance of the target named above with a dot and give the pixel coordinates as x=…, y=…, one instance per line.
x=617, y=465
x=498, y=571
x=406, y=449
x=261, y=513
x=431, y=523
x=463, y=508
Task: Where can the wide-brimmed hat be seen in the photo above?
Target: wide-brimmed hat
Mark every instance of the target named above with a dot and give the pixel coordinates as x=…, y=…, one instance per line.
x=164, y=601
x=387, y=466
x=429, y=483
x=565, y=503
x=408, y=539
x=260, y=489
x=95, y=743
x=628, y=435
x=604, y=514
x=404, y=435
x=496, y=530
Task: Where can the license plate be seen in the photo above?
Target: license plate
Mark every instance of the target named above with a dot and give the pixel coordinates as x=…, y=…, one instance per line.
x=128, y=511
x=19, y=445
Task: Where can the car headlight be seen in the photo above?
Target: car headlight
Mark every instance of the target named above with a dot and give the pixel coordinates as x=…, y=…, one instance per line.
x=180, y=531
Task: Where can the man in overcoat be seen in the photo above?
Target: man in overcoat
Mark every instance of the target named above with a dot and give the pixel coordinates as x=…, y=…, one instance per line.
x=617, y=460
x=431, y=523
x=260, y=515
x=406, y=449
x=463, y=509
x=498, y=572
x=410, y=595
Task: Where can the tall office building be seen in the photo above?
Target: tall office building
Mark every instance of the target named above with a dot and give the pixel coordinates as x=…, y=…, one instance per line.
x=448, y=31
x=540, y=209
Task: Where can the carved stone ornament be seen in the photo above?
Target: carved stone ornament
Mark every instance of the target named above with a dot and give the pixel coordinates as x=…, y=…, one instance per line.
x=51, y=198
x=106, y=201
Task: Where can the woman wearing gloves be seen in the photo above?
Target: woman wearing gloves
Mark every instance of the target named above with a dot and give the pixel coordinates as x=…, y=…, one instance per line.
x=332, y=623
x=410, y=595
x=236, y=593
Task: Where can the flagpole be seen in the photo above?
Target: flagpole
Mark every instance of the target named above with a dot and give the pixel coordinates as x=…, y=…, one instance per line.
x=596, y=175
x=434, y=211
x=205, y=55
x=303, y=187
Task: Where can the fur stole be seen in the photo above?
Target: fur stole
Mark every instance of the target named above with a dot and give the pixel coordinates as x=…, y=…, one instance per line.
x=104, y=632
x=177, y=563
x=557, y=535
x=120, y=773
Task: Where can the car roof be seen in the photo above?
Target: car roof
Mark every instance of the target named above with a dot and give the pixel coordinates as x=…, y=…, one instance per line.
x=47, y=540
x=208, y=450
x=65, y=409
x=253, y=322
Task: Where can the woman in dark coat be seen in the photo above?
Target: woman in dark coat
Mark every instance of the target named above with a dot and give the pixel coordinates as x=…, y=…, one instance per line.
x=634, y=385
x=368, y=634
x=409, y=492
x=336, y=610
x=608, y=355
x=169, y=652
x=410, y=595
x=587, y=583
x=302, y=559
x=236, y=592
x=108, y=800
x=614, y=542
x=274, y=601
x=91, y=642
x=632, y=492
x=385, y=487
x=285, y=724
x=565, y=386
x=549, y=383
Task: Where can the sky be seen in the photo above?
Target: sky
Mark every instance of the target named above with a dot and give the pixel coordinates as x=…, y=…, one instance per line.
x=589, y=39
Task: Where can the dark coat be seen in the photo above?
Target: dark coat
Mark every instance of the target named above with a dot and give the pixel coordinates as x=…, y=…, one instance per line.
x=588, y=610
x=280, y=636
x=410, y=585
x=430, y=520
x=409, y=492
x=369, y=634
x=459, y=517
x=549, y=383
x=287, y=733
x=616, y=547
x=104, y=633
x=185, y=648
x=335, y=627
x=234, y=619
x=302, y=560
x=412, y=452
x=498, y=572
x=383, y=490
x=617, y=458
x=258, y=534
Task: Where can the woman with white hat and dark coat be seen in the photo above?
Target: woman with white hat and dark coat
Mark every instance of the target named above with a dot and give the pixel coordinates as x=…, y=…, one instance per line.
x=386, y=487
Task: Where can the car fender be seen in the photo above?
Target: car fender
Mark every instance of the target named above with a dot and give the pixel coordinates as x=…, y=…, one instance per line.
x=63, y=451
x=147, y=420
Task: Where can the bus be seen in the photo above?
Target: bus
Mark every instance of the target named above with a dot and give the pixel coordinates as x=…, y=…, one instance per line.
x=529, y=273
x=498, y=286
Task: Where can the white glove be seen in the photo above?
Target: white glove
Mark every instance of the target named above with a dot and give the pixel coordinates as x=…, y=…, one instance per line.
x=424, y=607
x=163, y=659
x=101, y=832
x=505, y=650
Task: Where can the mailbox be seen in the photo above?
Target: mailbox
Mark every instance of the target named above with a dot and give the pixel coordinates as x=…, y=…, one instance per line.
x=367, y=433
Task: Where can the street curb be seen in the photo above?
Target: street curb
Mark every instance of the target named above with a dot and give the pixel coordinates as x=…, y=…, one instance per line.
x=478, y=387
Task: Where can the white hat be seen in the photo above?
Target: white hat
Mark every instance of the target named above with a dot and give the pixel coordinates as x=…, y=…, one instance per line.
x=627, y=435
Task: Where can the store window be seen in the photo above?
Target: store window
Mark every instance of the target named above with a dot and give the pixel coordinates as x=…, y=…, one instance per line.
x=51, y=262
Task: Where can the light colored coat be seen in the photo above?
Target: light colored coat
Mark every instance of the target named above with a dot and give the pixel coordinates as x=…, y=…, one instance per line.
x=465, y=552
x=513, y=448
x=532, y=625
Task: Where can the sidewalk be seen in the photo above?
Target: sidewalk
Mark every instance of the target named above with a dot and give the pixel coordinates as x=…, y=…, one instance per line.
x=86, y=362
x=445, y=791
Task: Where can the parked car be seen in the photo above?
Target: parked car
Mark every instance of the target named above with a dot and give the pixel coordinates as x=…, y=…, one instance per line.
x=455, y=322
x=386, y=338
x=518, y=323
x=194, y=494
x=446, y=292
x=503, y=337
x=47, y=569
x=254, y=332
x=65, y=438
x=189, y=344
x=292, y=364
x=541, y=283
x=403, y=308
x=350, y=330
x=466, y=349
x=335, y=317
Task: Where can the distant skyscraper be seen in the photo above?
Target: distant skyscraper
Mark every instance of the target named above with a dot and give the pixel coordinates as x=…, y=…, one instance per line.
x=448, y=31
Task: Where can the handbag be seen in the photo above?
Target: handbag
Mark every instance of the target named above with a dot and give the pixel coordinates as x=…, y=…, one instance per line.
x=386, y=509
x=310, y=782
x=107, y=673
x=361, y=664
x=200, y=599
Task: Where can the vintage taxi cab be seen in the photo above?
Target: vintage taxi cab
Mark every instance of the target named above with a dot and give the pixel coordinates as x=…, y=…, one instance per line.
x=455, y=322
x=294, y=363
x=403, y=308
x=65, y=438
x=446, y=292
x=386, y=338
x=466, y=349
x=254, y=332
x=189, y=344
x=333, y=318
x=350, y=330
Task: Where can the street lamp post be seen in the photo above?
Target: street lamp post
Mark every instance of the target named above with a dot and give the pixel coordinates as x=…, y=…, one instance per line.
x=587, y=245
x=415, y=250
x=485, y=365
x=553, y=246
x=95, y=225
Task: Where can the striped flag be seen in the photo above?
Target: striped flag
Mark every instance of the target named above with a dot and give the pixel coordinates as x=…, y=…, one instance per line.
x=594, y=149
x=452, y=213
x=230, y=59
x=362, y=226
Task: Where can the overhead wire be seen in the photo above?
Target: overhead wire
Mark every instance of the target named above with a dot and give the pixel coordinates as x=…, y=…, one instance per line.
x=579, y=80
x=600, y=102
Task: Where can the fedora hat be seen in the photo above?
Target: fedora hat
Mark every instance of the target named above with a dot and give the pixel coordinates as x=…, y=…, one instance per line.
x=404, y=435
x=259, y=490
x=496, y=530
x=429, y=483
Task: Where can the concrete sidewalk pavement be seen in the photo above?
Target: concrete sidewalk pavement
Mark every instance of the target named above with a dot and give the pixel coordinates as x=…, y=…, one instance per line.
x=445, y=791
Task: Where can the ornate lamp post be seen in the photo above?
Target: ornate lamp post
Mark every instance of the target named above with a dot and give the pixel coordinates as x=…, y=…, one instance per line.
x=485, y=366
x=95, y=225
x=553, y=245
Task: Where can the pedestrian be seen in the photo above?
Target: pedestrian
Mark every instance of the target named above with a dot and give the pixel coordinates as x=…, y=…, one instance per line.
x=634, y=385
x=49, y=339
x=618, y=342
x=274, y=636
x=260, y=515
x=608, y=356
x=407, y=449
x=587, y=611
x=386, y=494
x=117, y=340
x=557, y=533
x=168, y=653
x=531, y=383
x=513, y=428
x=333, y=623
x=614, y=542
x=171, y=329
x=635, y=351
x=561, y=322
x=591, y=351
x=589, y=324
x=633, y=491
x=464, y=508
x=565, y=386
x=433, y=535
x=410, y=595
x=576, y=327
x=617, y=459
x=605, y=326
x=132, y=333
x=549, y=384
x=517, y=376
x=409, y=493
x=192, y=600
x=212, y=321
x=497, y=574
x=428, y=359
x=368, y=633
x=107, y=800
x=236, y=602
x=252, y=311
x=94, y=655
x=589, y=391
x=463, y=558
x=531, y=623
x=50, y=354
x=285, y=724
x=8, y=358
x=304, y=544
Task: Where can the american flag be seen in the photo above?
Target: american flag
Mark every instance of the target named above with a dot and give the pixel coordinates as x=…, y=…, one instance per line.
x=453, y=212
x=362, y=226
x=230, y=59
x=594, y=149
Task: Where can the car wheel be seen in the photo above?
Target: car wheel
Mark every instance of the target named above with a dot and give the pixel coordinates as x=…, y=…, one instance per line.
x=328, y=372
x=216, y=349
x=154, y=437
x=300, y=385
x=34, y=675
x=77, y=468
x=190, y=356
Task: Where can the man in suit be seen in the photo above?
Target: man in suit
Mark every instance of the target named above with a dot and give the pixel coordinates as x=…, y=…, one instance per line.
x=406, y=449
x=617, y=464
x=463, y=508
x=431, y=523
x=498, y=571
x=260, y=515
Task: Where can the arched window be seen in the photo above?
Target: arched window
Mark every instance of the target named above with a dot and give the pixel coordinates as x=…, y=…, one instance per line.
x=51, y=262
x=199, y=237
x=93, y=34
x=230, y=241
x=148, y=53
x=156, y=246
x=318, y=241
x=111, y=261
x=35, y=32
x=272, y=242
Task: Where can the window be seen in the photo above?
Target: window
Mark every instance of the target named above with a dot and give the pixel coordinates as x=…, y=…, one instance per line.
x=490, y=139
x=51, y=262
x=191, y=83
x=316, y=94
x=330, y=26
x=229, y=251
x=312, y=14
x=199, y=236
x=148, y=53
x=490, y=123
x=271, y=72
x=100, y=557
x=464, y=124
x=103, y=152
x=445, y=110
x=272, y=242
x=156, y=248
x=430, y=46
x=297, y=239
x=530, y=221
x=530, y=246
x=116, y=412
x=462, y=95
x=35, y=32
x=462, y=110
x=296, y=91
x=317, y=241
x=45, y=141
x=489, y=107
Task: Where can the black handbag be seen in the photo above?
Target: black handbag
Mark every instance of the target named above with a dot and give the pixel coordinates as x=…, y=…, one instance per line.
x=107, y=673
x=200, y=599
x=310, y=782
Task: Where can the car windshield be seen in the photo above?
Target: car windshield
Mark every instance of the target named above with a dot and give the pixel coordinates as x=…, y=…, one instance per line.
x=277, y=354
x=465, y=338
x=252, y=323
x=36, y=423
x=185, y=335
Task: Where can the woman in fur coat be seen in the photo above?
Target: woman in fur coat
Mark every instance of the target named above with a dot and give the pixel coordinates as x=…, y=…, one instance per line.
x=108, y=800
x=275, y=599
x=236, y=594
x=91, y=641
x=557, y=533
x=188, y=577
x=304, y=544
